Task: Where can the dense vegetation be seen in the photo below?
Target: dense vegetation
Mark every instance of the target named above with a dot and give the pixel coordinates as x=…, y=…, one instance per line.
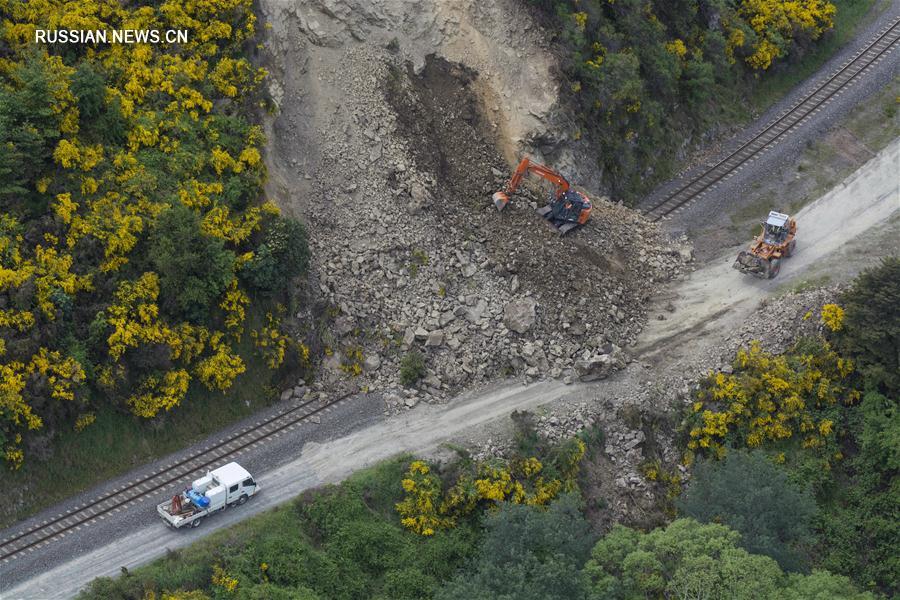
x=793, y=495
x=647, y=75
x=826, y=416
x=135, y=247
x=347, y=542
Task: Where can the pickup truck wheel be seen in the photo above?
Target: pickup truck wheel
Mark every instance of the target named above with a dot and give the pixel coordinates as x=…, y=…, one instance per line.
x=242, y=499
x=196, y=522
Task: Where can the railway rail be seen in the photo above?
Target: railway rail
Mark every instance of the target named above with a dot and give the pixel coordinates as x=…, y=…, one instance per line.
x=700, y=183
x=163, y=480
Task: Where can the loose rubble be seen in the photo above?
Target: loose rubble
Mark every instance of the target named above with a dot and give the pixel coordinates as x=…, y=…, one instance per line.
x=425, y=262
x=408, y=251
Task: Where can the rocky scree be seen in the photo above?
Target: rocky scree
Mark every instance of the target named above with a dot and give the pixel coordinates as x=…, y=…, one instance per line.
x=412, y=255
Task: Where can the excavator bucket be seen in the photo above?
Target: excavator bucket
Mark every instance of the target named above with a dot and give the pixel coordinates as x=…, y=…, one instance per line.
x=501, y=199
x=750, y=264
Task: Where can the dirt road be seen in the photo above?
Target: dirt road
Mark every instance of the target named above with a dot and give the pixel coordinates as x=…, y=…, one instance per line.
x=712, y=301
x=714, y=298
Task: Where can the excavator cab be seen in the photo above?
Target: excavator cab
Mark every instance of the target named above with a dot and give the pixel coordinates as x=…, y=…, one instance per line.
x=567, y=211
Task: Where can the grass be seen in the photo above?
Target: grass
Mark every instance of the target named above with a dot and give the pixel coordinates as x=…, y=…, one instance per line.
x=118, y=441
x=805, y=285
x=850, y=17
x=754, y=212
x=879, y=127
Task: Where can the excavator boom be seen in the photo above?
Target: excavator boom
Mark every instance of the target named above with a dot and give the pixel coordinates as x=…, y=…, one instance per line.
x=527, y=167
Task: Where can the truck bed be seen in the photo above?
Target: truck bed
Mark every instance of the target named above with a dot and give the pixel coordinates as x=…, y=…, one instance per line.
x=188, y=513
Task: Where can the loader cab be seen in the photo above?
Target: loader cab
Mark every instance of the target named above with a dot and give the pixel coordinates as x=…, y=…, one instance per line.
x=775, y=229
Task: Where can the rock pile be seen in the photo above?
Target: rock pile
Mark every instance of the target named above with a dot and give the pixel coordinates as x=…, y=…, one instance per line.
x=408, y=250
x=412, y=255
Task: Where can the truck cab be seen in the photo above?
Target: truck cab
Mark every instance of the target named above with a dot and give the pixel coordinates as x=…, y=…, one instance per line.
x=229, y=484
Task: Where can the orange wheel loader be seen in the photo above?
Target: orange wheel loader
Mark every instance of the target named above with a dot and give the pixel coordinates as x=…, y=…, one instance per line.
x=775, y=242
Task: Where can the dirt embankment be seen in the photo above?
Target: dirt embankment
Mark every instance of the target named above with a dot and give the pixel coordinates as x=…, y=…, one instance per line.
x=394, y=118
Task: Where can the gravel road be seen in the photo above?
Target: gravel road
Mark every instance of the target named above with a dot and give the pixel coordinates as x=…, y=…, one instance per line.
x=713, y=298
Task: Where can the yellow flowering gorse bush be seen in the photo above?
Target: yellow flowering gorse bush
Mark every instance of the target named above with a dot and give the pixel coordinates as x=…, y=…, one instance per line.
x=428, y=508
x=771, y=399
x=164, y=143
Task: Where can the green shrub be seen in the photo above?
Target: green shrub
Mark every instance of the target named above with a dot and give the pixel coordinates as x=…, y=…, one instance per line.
x=282, y=255
x=871, y=326
x=753, y=496
x=194, y=269
x=412, y=367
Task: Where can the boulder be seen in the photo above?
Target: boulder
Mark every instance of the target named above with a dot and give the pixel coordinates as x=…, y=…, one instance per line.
x=600, y=365
x=434, y=339
x=520, y=315
x=596, y=367
x=372, y=363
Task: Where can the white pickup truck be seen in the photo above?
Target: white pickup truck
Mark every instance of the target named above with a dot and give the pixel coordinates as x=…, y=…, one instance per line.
x=228, y=485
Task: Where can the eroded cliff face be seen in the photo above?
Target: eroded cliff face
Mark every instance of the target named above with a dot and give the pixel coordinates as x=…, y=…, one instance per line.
x=498, y=40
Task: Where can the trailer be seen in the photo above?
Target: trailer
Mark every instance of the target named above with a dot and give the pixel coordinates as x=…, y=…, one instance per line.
x=229, y=485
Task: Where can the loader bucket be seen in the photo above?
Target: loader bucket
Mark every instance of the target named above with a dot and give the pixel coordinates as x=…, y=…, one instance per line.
x=500, y=200
x=750, y=264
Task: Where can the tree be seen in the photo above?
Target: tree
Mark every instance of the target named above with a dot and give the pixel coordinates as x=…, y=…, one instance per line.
x=89, y=88
x=28, y=128
x=750, y=494
x=821, y=585
x=684, y=560
x=194, y=269
x=871, y=325
x=282, y=255
x=527, y=553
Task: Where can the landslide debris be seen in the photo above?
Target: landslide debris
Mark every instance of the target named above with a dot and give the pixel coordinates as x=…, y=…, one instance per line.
x=409, y=251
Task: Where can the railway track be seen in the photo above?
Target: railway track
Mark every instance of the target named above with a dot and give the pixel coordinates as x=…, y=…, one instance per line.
x=166, y=479
x=700, y=183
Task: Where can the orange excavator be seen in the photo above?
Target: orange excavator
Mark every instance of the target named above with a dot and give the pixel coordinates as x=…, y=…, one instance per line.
x=567, y=210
